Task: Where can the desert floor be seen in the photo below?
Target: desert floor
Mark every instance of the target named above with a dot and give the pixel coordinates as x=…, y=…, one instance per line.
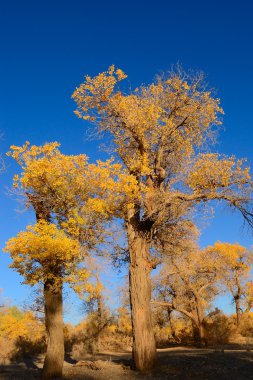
x=177, y=363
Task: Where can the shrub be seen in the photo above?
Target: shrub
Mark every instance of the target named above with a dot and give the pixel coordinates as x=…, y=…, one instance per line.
x=20, y=333
x=219, y=328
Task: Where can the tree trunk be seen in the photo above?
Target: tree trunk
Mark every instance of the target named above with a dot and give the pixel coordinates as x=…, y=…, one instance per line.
x=101, y=322
x=202, y=335
x=173, y=332
x=144, y=346
x=199, y=334
x=200, y=321
x=195, y=332
x=54, y=359
x=237, y=298
x=238, y=312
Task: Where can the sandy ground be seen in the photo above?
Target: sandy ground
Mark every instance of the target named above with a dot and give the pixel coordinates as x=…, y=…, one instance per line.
x=179, y=363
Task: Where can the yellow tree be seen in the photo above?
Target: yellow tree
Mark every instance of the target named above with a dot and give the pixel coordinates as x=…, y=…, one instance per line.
x=44, y=254
x=235, y=263
x=156, y=131
x=248, y=302
x=99, y=316
x=188, y=283
x=71, y=200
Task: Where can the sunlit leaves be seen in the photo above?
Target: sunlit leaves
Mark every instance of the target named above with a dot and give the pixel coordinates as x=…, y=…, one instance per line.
x=234, y=264
x=213, y=172
x=168, y=117
x=15, y=324
x=158, y=130
x=43, y=253
x=72, y=200
x=70, y=186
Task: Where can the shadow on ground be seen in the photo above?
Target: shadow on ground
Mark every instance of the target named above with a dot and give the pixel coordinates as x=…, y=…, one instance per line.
x=173, y=363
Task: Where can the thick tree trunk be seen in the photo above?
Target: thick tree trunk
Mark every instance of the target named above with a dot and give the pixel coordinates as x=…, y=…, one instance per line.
x=195, y=332
x=144, y=347
x=202, y=335
x=199, y=333
x=54, y=359
x=200, y=321
x=173, y=332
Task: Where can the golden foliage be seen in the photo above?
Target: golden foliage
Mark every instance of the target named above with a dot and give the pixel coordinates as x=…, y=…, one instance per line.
x=72, y=200
x=234, y=263
x=77, y=192
x=43, y=252
x=14, y=325
x=212, y=172
x=153, y=125
x=157, y=130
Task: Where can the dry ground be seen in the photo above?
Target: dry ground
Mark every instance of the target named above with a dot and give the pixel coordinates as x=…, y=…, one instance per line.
x=180, y=363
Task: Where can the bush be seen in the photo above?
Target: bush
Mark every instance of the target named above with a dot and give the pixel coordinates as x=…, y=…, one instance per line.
x=219, y=328
x=246, y=325
x=8, y=350
x=20, y=333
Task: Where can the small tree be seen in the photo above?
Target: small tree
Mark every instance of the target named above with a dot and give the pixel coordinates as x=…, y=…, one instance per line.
x=187, y=283
x=235, y=264
x=156, y=131
x=44, y=254
x=99, y=316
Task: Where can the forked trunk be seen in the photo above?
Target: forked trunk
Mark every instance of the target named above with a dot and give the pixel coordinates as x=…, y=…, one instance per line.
x=54, y=359
x=144, y=347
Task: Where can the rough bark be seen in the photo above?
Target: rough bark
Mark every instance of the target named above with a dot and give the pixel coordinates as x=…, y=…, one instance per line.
x=54, y=359
x=237, y=298
x=202, y=335
x=172, y=327
x=200, y=319
x=144, y=347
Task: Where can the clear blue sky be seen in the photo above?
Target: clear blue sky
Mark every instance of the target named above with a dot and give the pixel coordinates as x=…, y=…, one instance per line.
x=47, y=46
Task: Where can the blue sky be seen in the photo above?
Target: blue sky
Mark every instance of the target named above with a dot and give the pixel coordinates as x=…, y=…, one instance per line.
x=47, y=47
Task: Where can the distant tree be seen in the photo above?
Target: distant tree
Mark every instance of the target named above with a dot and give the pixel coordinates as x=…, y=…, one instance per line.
x=157, y=131
x=35, y=303
x=99, y=316
x=1, y=299
x=187, y=283
x=235, y=262
x=123, y=313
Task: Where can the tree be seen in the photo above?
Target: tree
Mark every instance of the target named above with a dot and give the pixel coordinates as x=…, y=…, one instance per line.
x=187, y=283
x=235, y=264
x=99, y=314
x=1, y=299
x=156, y=131
x=71, y=202
x=45, y=254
